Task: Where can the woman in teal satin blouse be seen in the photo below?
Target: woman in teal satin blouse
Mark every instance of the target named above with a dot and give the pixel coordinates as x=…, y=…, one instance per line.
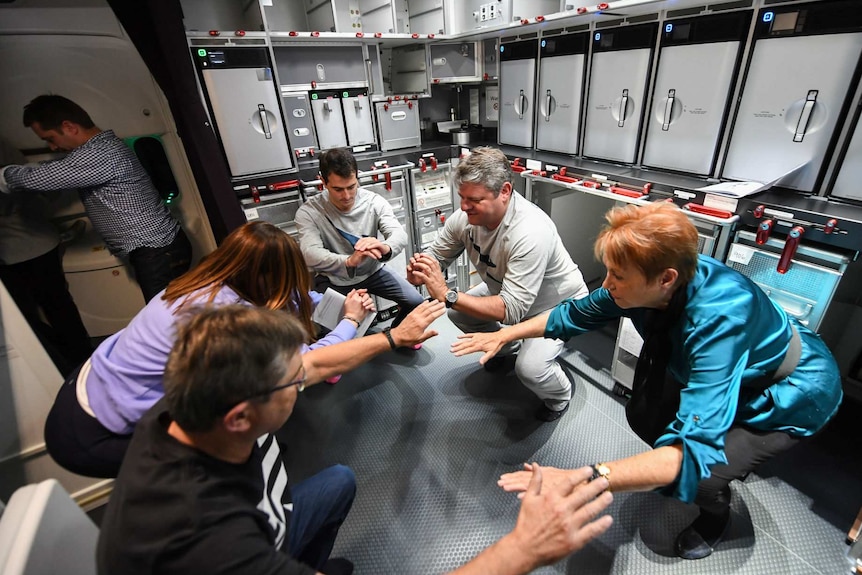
x=725, y=380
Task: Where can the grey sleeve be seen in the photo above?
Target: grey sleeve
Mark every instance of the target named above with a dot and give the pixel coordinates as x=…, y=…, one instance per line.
x=393, y=232
x=317, y=256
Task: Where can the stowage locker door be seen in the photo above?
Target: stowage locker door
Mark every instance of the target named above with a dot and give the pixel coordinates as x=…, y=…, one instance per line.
x=517, y=88
x=357, y=117
x=561, y=84
x=850, y=174
x=248, y=121
x=618, y=76
x=803, y=62
x=697, y=63
x=328, y=120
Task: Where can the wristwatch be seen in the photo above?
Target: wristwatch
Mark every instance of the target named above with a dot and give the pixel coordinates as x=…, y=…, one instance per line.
x=602, y=470
x=451, y=297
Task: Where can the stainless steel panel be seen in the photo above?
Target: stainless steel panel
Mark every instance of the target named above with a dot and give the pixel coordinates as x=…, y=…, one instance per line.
x=329, y=122
x=357, y=117
x=847, y=185
x=615, y=104
x=790, y=106
x=451, y=62
x=300, y=123
x=398, y=124
x=559, y=100
x=517, y=86
x=248, y=120
x=689, y=104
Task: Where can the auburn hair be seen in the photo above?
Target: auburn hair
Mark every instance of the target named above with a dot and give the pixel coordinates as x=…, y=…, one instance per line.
x=652, y=237
x=258, y=261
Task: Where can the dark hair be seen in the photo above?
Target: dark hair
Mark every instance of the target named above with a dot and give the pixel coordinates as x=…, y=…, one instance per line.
x=261, y=263
x=50, y=111
x=338, y=161
x=485, y=166
x=224, y=355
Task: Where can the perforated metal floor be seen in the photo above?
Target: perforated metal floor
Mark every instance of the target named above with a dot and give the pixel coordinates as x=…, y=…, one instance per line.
x=428, y=434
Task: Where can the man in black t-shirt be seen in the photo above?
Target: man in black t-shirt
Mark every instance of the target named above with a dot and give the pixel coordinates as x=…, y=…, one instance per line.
x=203, y=488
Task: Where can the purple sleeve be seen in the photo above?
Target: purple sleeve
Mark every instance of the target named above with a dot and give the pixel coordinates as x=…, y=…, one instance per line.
x=344, y=331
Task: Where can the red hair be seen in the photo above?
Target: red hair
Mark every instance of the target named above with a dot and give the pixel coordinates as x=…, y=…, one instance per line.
x=653, y=238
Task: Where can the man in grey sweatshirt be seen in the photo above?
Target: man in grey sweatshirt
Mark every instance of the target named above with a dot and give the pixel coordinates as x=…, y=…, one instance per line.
x=339, y=235
x=525, y=269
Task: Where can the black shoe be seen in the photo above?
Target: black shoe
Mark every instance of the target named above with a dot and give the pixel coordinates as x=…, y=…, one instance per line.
x=699, y=539
x=337, y=566
x=499, y=364
x=547, y=415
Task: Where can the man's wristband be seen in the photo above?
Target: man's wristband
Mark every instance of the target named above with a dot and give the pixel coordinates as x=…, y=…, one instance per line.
x=353, y=319
x=389, y=338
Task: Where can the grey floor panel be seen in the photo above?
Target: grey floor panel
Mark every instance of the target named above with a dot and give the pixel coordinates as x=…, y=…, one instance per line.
x=428, y=434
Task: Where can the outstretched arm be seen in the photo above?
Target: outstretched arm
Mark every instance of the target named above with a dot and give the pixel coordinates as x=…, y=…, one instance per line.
x=492, y=342
x=553, y=522
x=331, y=360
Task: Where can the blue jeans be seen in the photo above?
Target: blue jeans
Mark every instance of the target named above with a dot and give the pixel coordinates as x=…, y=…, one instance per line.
x=393, y=287
x=320, y=505
x=156, y=267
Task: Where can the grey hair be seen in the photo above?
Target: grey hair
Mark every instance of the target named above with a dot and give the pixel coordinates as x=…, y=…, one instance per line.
x=485, y=166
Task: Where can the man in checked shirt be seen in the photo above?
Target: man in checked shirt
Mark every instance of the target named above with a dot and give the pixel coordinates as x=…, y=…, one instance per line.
x=118, y=195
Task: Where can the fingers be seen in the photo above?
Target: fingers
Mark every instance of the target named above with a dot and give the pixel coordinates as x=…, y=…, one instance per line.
x=535, y=486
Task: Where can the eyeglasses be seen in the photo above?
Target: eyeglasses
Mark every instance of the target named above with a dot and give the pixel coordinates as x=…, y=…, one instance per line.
x=300, y=381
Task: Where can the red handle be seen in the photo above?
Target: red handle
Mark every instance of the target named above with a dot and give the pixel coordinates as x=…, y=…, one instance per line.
x=283, y=185
x=567, y=179
x=255, y=195
x=758, y=211
x=789, y=249
x=589, y=184
x=422, y=164
x=388, y=181
x=763, y=231
x=627, y=193
x=714, y=212
x=433, y=163
x=518, y=169
x=830, y=226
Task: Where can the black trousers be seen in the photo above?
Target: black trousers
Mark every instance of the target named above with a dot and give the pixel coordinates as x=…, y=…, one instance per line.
x=745, y=449
x=156, y=267
x=77, y=441
x=39, y=288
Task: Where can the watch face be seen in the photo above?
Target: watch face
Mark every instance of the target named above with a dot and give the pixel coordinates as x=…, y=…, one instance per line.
x=451, y=296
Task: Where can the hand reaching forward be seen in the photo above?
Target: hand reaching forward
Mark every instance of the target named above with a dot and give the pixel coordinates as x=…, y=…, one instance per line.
x=559, y=518
x=413, y=329
x=491, y=343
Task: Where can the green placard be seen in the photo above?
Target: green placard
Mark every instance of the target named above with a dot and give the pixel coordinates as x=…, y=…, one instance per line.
x=202, y=53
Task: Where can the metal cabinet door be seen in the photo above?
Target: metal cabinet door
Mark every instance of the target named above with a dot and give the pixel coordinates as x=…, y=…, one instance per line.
x=793, y=94
x=357, y=117
x=691, y=95
x=329, y=122
x=850, y=174
x=300, y=123
x=559, y=101
x=517, y=85
x=398, y=124
x=248, y=120
x=615, y=104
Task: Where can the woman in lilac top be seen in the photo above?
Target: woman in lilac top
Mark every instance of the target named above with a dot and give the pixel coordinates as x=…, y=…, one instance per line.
x=90, y=425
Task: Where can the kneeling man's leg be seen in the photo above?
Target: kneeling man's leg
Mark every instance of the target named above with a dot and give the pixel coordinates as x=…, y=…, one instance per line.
x=538, y=369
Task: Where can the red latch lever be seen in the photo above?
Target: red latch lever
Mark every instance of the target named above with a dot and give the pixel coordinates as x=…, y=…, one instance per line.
x=706, y=210
x=567, y=179
x=763, y=231
x=789, y=250
x=625, y=192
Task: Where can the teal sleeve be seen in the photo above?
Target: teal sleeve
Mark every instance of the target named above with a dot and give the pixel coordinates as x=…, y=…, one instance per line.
x=576, y=316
